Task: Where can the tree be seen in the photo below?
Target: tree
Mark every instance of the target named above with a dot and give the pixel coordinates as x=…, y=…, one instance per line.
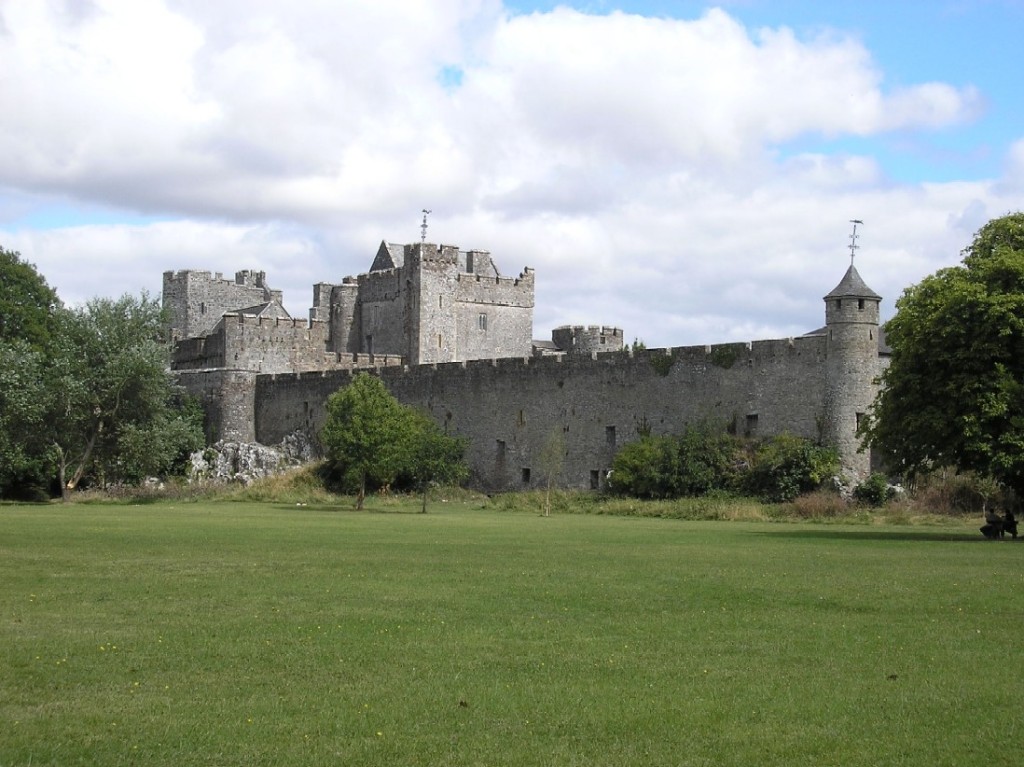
x=28, y=305
x=367, y=433
x=953, y=394
x=24, y=466
x=433, y=457
x=85, y=392
x=552, y=459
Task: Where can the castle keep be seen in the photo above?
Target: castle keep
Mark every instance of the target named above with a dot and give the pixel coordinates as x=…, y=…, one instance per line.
x=448, y=334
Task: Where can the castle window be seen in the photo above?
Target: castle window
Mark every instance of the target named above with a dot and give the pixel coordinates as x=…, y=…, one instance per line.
x=202, y=308
x=595, y=479
x=526, y=476
x=369, y=344
x=439, y=344
x=860, y=304
x=481, y=321
x=839, y=303
x=860, y=420
x=440, y=302
x=609, y=435
x=751, y=427
x=522, y=418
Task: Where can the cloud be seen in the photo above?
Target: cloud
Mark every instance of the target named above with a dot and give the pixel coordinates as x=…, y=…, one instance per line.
x=650, y=169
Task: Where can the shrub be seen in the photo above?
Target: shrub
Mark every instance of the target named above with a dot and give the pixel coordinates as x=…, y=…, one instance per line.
x=644, y=468
x=695, y=463
x=785, y=466
x=874, y=491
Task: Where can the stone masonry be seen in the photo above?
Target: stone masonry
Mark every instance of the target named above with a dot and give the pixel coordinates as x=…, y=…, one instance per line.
x=449, y=335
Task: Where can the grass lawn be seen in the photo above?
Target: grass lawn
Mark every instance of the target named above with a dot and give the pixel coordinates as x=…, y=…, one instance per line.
x=231, y=633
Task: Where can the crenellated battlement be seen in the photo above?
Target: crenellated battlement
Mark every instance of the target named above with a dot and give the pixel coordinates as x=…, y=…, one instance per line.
x=448, y=334
x=587, y=338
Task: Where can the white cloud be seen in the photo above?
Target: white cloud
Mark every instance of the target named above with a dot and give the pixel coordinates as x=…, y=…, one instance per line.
x=649, y=169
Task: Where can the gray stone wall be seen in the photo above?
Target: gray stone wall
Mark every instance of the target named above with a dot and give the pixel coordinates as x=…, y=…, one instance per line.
x=508, y=408
x=229, y=401
x=196, y=301
x=587, y=338
x=429, y=308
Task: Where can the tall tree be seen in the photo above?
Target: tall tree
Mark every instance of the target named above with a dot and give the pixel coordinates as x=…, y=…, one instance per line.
x=115, y=412
x=28, y=305
x=24, y=464
x=953, y=394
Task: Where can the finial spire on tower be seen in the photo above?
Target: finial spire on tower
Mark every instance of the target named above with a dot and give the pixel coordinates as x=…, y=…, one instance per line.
x=853, y=238
x=423, y=226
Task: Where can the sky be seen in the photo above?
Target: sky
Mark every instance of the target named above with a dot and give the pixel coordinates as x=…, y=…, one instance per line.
x=685, y=171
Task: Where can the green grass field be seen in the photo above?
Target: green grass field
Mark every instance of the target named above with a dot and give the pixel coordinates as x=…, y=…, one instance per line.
x=230, y=633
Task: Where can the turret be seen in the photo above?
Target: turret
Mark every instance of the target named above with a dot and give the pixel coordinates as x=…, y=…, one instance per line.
x=851, y=368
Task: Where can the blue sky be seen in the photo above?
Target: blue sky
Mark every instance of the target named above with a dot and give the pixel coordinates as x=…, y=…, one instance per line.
x=683, y=170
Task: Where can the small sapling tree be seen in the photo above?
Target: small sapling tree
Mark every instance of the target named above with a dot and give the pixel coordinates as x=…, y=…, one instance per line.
x=552, y=460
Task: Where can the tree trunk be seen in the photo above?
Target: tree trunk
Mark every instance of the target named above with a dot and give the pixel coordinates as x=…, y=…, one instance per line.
x=362, y=492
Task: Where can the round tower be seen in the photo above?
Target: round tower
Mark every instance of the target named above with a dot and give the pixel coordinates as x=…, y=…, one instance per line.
x=851, y=368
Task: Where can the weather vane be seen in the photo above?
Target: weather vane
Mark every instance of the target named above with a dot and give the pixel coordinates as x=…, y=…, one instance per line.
x=423, y=226
x=853, y=238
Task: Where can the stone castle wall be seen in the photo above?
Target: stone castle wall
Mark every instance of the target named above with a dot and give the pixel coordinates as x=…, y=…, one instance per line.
x=457, y=343
x=508, y=408
x=270, y=345
x=587, y=338
x=196, y=301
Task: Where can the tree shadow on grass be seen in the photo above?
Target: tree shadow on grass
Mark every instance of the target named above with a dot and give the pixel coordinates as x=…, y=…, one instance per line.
x=925, y=536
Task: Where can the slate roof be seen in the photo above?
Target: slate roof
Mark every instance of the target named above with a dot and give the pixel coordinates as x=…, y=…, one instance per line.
x=852, y=285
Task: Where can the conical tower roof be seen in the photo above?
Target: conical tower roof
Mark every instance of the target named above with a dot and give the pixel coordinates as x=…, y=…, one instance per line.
x=852, y=285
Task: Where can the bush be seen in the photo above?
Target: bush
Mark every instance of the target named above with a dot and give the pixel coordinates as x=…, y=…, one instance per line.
x=695, y=463
x=786, y=466
x=874, y=491
x=645, y=468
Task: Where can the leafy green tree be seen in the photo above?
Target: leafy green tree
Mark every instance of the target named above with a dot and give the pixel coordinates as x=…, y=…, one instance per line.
x=432, y=456
x=27, y=304
x=953, y=394
x=85, y=393
x=24, y=464
x=367, y=434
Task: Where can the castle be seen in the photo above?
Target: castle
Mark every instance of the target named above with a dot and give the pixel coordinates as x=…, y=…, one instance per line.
x=448, y=334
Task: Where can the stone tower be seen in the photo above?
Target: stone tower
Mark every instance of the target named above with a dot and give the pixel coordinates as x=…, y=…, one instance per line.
x=851, y=368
